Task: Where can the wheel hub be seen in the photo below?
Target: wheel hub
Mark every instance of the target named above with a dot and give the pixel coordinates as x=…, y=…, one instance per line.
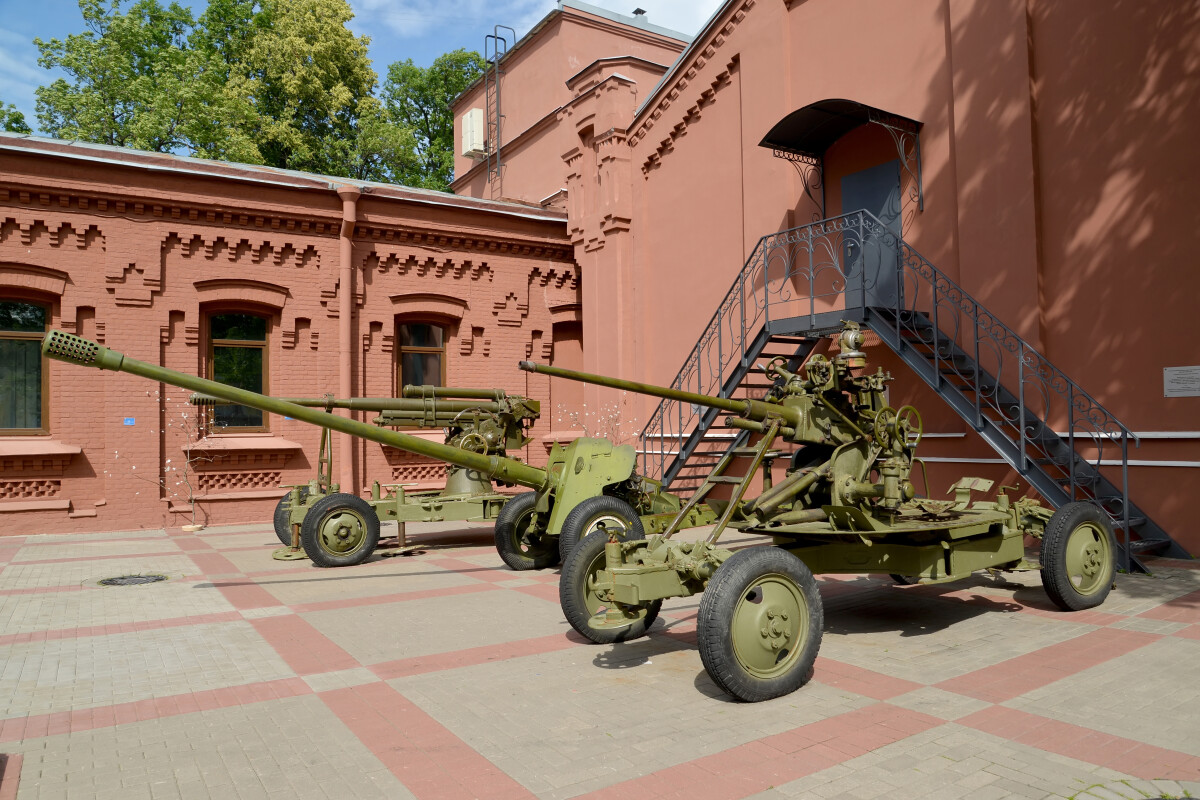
x=1092, y=561
x=342, y=532
x=775, y=633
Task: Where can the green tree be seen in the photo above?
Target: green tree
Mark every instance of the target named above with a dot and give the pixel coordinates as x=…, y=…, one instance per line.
x=133, y=77
x=12, y=120
x=308, y=77
x=419, y=99
x=277, y=82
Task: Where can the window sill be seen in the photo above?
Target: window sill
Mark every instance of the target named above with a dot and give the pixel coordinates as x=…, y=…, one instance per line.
x=241, y=443
x=35, y=454
x=35, y=505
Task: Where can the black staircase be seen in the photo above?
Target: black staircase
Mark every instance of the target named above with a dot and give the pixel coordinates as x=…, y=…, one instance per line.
x=799, y=284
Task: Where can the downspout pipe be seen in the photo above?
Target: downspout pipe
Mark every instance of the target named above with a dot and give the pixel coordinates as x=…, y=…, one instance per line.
x=349, y=195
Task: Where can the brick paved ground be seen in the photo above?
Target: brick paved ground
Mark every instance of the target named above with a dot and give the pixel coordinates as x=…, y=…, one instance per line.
x=445, y=675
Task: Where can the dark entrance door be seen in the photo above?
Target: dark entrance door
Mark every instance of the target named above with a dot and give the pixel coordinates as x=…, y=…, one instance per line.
x=872, y=259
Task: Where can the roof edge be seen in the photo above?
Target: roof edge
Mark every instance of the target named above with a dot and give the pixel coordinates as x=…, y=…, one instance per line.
x=251, y=173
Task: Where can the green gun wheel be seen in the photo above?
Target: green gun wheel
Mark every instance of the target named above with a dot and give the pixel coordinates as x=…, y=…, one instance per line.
x=580, y=598
x=760, y=624
x=282, y=514
x=1078, y=556
x=598, y=513
x=339, y=530
x=521, y=538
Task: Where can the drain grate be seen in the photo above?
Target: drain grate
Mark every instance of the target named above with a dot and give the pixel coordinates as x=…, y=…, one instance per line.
x=132, y=580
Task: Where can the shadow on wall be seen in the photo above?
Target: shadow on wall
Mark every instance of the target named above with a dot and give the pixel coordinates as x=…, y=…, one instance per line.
x=1116, y=103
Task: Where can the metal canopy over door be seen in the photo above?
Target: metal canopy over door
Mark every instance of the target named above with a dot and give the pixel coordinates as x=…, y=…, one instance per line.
x=872, y=265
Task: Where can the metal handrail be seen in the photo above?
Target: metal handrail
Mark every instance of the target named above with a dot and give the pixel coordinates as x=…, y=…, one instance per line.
x=854, y=262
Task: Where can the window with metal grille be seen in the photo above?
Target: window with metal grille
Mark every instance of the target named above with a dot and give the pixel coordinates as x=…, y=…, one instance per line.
x=421, y=355
x=237, y=356
x=23, y=377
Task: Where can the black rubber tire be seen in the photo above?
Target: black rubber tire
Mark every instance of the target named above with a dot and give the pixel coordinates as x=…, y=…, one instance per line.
x=1078, y=539
x=583, y=519
x=323, y=513
x=515, y=549
x=282, y=509
x=585, y=560
x=905, y=580
x=729, y=599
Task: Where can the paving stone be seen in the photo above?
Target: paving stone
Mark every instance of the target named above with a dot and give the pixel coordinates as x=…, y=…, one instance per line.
x=1148, y=695
x=583, y=709
x=66, y=674
x=75, y=573
x=100, y=606
x=389, y=631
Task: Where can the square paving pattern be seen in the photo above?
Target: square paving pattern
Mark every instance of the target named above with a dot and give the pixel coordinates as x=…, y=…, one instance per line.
x=441, y=674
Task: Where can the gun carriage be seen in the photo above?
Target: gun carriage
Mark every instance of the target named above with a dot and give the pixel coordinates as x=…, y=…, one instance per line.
x=483, y=421
x=846, y=505
x=588, y=484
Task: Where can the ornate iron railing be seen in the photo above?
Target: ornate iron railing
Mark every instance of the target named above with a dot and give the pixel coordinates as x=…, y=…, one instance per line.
x=800, y=271
x=1037, y=417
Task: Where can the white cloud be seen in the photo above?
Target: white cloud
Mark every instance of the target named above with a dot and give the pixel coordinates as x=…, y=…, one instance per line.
x=19, y=74
x=420, y=18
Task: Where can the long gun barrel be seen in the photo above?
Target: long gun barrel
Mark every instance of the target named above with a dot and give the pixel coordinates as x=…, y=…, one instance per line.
x=366, y=403
x=412, y=390
x=751, y=409
x=77, y=350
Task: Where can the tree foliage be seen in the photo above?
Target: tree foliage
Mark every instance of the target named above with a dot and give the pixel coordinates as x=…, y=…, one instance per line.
x=419, y=99
x=12, y=120
x=278, y=82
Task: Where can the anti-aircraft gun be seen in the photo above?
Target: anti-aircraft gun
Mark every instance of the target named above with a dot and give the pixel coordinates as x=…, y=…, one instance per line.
x=845, y=506
x=485, y=421
x=586, y=484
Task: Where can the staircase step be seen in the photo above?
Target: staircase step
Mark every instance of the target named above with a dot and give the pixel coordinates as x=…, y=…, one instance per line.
x=742, y=452
x=1149, y=545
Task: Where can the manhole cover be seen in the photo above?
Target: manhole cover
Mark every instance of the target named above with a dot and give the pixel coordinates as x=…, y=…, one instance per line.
x=132, y=580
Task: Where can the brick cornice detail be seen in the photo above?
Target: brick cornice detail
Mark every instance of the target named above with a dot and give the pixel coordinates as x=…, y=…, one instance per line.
x=558, y=251
x=699, y=56
x=119, y=205
x=126, y=207
x=693, y=114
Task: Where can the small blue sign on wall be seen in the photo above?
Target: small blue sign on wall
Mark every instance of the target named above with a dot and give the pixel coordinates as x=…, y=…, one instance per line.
x=129, y=420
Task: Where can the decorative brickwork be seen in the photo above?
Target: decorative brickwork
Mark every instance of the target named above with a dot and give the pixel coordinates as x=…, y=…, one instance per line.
x=29, y=489
x=432, y=472
x=221, y=482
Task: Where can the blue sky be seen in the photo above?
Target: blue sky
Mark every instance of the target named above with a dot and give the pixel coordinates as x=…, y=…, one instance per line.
x=399, y=29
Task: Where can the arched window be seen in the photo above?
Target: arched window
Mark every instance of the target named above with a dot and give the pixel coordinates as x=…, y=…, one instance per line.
x=23, y=386
x=237, y=355
x=422, y=354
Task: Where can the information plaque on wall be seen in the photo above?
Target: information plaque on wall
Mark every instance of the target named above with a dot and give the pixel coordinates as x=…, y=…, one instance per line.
x=1181, y=381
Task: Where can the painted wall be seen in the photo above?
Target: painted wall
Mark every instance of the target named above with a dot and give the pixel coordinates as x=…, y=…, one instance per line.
x=1055, y=169
x=136, y=251
x=535, y=85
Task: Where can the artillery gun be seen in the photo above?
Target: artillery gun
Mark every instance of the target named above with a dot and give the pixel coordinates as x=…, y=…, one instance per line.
x=485, y=421
x=846, y=505
x=587, y=484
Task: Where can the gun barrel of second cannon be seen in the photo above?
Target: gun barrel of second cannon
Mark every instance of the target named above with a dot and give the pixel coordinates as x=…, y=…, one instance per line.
x=753, y=409
x=77, y=350
x=417, y=391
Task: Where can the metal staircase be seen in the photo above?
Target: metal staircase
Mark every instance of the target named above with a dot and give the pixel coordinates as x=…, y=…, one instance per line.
x=800, y=283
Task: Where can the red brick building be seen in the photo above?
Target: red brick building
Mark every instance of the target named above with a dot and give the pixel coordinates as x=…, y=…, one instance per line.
x=206, y=267
x=639, y=201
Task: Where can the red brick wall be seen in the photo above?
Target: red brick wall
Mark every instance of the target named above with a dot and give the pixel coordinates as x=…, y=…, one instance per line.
x=136, y=254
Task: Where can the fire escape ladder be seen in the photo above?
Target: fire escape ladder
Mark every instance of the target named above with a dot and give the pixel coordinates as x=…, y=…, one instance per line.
x=495, y=48
x=800, y=283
